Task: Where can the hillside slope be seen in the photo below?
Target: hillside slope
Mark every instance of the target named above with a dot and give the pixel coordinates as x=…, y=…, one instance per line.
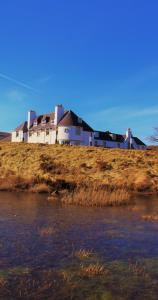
x=5, y=135
x=23, y=165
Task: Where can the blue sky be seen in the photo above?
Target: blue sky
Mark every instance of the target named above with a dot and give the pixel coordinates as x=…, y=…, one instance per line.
x=97, y=57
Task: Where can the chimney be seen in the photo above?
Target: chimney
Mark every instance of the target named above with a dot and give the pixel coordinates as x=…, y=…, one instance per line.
x=31, y=118
x=59, y=112
x=128, y=134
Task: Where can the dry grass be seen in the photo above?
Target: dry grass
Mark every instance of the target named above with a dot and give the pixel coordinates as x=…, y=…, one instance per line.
x=3, y=282
x=97, y=197
x=40, y=188
x=138, y=269
x=117, y=169
x=47, y=231
x=83, y=254
x=150, y=218
x=93, y=270
x=67, y=276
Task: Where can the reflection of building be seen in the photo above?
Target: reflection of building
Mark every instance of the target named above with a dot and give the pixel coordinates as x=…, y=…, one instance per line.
x=65, y=127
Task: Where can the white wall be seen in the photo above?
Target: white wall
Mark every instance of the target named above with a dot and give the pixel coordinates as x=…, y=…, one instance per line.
x=22, y=136
x=42, y=137
x=68, y=133
x=110, y=144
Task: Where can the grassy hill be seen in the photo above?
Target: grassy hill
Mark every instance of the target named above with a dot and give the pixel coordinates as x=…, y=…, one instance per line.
x=37, y=167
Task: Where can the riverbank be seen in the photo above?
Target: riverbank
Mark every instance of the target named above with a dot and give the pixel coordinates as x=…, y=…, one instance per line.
x=50, y=168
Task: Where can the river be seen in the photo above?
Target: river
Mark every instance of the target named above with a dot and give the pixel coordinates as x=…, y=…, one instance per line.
x=49, y=251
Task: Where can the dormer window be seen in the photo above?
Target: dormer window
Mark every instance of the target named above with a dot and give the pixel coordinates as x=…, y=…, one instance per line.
x=43, y=122
x=113, y=136
x=96, y=134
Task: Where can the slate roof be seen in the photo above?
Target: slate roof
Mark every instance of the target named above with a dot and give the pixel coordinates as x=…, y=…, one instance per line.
x=71, y=119
x=138, y=141
x=109, y=136
x=105, y=136
x=41, y=126
x=22, y=126
x=47, y=118
x=119, y=138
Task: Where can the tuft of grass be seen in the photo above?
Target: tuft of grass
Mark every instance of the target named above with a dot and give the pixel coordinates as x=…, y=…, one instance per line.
x=40, y=188
x=97, y=197
x=93, y=270
x=47, y=231
x=150, y=218
x=138, y=269
x=104, y=166
x=3, y=282
x=67, y=276
x=83, y=254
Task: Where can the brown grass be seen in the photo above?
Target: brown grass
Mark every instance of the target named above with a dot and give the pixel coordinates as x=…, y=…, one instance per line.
x=150, y=218
x=47, y=231
x=3, y=282
x=138, y=269
x=83, y=254
x=97, y=197
x=92, y=270
x=24, y=165
x=40, y=188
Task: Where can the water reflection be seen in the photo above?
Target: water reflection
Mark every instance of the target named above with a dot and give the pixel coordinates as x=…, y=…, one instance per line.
x=38, y=235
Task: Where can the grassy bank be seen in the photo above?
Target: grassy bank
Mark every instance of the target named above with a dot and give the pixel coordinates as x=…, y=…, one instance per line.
x=46, y=168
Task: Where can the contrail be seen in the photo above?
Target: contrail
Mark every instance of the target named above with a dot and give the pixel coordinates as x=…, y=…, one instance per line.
x=20, y=83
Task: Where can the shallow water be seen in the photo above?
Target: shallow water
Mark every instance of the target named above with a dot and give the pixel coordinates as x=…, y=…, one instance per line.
x=39, y=239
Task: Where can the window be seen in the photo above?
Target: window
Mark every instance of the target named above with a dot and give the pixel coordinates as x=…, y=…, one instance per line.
x=17, y=133
x=96, y=134
x=38, y=133
x=66, y=130
x=47, y=132
x=30, y=133
x=95, y=143
x=113, y=136
x=35, y=123
x=78, y=131
x=43, y=122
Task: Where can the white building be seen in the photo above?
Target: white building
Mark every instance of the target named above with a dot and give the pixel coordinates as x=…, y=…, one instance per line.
x=65, y=127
